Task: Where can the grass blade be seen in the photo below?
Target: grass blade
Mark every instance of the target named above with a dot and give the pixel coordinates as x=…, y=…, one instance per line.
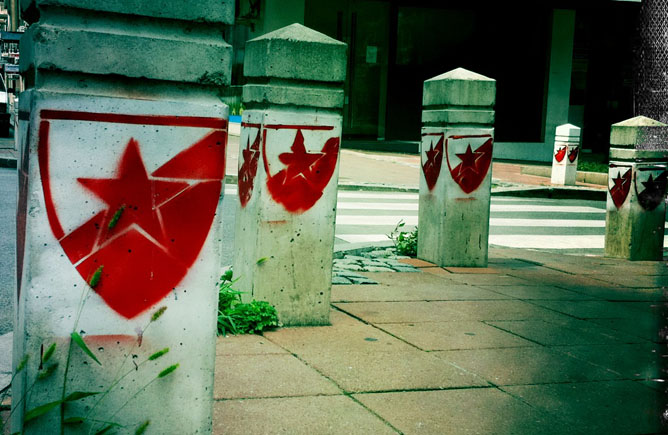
x=76, y=338
x=40, y=410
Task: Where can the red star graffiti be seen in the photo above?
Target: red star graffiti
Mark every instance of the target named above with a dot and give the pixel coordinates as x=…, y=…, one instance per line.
x=621, y=187
x=432, y=166
x=300, y=184
x=248, y=170
x=152, y=226
x=474, y=165
x=560, y=154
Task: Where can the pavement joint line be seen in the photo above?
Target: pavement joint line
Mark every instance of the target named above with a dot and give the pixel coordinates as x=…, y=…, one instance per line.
x=421, y=390
x=512, y=333
x=374, y=413
x=229, y=399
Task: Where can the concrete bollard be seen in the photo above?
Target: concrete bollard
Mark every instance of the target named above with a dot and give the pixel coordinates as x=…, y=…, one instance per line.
x=121, y=173
x=566, y=152
x=455, y=181
x=636, y=205
x=288, y=172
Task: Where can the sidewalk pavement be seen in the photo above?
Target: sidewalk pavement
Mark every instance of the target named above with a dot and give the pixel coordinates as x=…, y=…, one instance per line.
x=535, y=343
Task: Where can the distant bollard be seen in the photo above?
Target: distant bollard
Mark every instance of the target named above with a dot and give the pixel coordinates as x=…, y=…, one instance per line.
x=288, y=172
x=122, y=142
x=455, y=180
x=636, y=206
x=566, y=152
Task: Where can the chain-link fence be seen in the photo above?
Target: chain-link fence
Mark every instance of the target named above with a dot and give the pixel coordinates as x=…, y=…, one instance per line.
x=651, y=85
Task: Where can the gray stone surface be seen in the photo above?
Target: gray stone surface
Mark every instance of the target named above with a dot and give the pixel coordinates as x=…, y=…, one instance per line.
x=469, y=411
x=296, y=52
x=160, y=54
x=285, y=94
x=298, y=416
x=635, y=131
x=378, y=261
x=457, y=116
x=459, y=87
x=208, y=11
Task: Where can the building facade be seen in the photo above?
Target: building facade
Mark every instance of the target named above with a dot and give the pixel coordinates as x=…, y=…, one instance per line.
x=554, y=62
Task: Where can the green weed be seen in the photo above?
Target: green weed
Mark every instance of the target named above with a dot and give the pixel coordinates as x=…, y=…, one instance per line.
x=404, y=242
x=236, y=317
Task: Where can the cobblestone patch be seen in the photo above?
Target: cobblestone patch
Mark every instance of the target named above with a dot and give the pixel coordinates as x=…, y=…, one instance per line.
x=381, y=260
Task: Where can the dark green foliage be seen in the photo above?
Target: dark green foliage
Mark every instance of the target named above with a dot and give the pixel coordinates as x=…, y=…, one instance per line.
x=235, y=317
x=76, y=338
x=404, y=242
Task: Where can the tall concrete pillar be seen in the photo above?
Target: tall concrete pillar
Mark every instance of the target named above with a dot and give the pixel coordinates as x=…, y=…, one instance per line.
x=122, y=161
x=566, y=153
x=636, y=205
x=557, y=100
x=455, y=181
x=288, y=172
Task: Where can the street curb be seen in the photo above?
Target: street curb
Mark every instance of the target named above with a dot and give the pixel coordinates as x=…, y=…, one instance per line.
x=599, y=178
x=341, y=251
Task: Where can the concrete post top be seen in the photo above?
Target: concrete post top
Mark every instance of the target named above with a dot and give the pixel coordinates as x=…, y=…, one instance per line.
x=568, y=130
x=460, y=74
x=296, y=52
x=639, y=132
x=459, y=87
x=205, y=11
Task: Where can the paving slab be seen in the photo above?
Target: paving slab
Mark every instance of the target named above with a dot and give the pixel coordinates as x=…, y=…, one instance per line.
x=474, y=270
x=246, y=376
x=400, y=312
x=644, y=327
x=525, y=365
x=247, y=344
x=333, y=339
x=624, y=293
x=412, y=280
x=537, y=292
x=590, y=309
x=591, y=409
x=632, y=361
x=488, y=279
x=416, y=262
x=468, y=411
x=454, y=335
x=437, y=271
x=416, y=292
x=326, y=415
x=558, y=279
x=553, y=334
x=632, y=280
x=499, y=310
x=390, y=371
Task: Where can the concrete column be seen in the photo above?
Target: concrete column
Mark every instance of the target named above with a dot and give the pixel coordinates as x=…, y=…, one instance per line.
x=566, y=152
x=559, y=75
x=288, y=172
x=636, y=206
x=455, y=181
x=122, y=163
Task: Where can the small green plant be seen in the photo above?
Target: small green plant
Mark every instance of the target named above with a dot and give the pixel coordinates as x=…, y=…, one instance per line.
x=404, y=242
x=236, y=317
x=237, y=108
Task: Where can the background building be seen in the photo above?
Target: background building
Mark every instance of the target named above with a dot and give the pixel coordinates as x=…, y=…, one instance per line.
x=554, y=62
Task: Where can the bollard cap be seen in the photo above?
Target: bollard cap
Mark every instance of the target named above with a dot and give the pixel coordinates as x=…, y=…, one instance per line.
x=296, y=52
x=459, y=87
x=569, y=130
x=640, y=132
